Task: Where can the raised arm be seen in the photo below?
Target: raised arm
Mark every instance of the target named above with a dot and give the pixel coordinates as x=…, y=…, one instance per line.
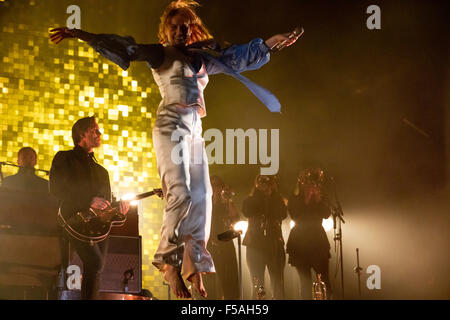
x=118, y=49
x=240, y=58
x=248, y=56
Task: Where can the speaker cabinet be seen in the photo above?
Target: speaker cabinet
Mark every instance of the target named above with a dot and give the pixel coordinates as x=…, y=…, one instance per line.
x=123, y=265
x=131, y=225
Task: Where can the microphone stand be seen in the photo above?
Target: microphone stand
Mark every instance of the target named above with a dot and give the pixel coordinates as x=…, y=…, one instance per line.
x=337, y=224
x=230, y=235
x=17, y=166
x=241, y=293
x=1, y=173
x=358, y=270
x=168, y=289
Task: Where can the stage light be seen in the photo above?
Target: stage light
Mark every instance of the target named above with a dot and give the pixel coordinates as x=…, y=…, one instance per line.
x=327, y=224
x=130, y=196
x=242, y=226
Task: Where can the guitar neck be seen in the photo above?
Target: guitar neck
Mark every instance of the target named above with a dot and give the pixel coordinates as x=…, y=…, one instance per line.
x=144, y=195
x=141, y=196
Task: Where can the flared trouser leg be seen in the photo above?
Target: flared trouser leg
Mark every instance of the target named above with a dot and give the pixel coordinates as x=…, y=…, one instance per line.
x=183, y=169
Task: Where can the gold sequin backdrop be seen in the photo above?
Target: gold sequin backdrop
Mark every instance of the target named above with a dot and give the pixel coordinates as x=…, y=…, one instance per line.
x=45, y=88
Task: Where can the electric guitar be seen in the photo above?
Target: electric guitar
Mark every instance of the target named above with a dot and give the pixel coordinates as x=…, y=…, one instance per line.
x=95, y=225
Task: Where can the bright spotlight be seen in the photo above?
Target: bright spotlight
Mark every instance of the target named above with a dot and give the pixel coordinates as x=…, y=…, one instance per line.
x=130, y=196
x=327, y=224
x=291, y=224
x=241, y=226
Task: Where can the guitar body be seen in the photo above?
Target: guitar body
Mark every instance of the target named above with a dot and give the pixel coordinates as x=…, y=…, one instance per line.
x=95, y=225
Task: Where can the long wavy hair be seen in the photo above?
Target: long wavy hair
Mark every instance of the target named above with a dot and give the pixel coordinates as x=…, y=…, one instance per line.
x=186, y=8
x=312, y=174
x=273, y=180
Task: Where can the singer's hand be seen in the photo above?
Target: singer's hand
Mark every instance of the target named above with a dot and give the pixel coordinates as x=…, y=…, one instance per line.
x=59, y=34
x=272, y=41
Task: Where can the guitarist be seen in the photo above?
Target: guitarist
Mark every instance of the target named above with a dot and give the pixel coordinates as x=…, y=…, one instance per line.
x=79, y=182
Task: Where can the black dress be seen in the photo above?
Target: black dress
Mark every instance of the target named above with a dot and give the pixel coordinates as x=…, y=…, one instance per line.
x=307, y=240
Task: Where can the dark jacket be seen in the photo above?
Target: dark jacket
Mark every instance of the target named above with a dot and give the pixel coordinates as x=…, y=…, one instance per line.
x=265, y=215
x=25, y=180
x=76, y=178
x=307, y=238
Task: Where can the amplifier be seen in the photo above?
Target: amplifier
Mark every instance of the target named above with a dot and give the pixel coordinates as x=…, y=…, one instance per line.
x=131, y=226
x=123, y=265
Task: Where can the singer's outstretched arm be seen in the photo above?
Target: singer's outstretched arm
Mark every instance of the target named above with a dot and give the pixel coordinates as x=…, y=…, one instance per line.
x=118, y=49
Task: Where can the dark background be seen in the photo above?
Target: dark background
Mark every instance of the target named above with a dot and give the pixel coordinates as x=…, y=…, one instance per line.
x=347, y=94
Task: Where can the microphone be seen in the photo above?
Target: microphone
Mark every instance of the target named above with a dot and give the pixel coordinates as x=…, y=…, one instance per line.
x=42, y=170
x=229, y=235
x=127, y=276
x=283, y=44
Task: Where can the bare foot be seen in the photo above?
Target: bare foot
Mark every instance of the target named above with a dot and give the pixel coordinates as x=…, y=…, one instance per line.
x=173, y=277
x=197, y=283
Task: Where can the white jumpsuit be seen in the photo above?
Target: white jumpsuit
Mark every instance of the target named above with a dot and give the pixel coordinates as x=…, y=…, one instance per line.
x=182, y=166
